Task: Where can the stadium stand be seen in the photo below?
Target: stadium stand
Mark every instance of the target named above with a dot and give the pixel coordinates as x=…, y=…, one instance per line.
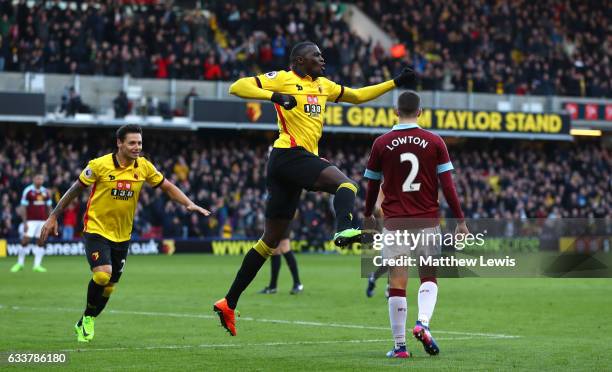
x=520, y=47
x=544, y=48
x=219, y=170
x=157, y=41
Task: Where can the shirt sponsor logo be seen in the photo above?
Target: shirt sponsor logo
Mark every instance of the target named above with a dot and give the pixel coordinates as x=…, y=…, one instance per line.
x=312, y=108
x=123, y=191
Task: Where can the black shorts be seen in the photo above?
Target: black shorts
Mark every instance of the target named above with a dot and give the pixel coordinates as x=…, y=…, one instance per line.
x=289, y=171
x=101, y=251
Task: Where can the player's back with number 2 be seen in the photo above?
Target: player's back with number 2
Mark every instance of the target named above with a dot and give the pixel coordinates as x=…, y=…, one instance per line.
x=411, y=158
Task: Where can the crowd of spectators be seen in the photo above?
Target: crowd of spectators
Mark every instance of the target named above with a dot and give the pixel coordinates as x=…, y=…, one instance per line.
x=560, y=47
x=226, y=174
x=546, y=47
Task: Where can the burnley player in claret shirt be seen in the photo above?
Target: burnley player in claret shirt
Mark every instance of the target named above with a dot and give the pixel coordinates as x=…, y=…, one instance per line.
x=36, y=205
x=413, y=163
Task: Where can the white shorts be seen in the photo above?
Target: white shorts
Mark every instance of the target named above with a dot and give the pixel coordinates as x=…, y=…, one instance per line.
x=34, y=228
x=412, y=243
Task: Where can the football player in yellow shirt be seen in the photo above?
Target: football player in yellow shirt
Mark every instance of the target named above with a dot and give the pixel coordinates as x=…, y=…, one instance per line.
x=299, y=96
x=117, y=179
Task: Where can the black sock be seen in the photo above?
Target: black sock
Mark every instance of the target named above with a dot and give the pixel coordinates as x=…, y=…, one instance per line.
x=101, y=305
x=94, y=294
x=292, y=263
x=343, y=205
x=379, y=272
x=275, y=264
x=251, y=264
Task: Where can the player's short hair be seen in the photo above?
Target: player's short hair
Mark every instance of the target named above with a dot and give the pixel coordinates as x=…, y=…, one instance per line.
x=128, y=128
x=408, y=103
x=38, y=174
x=300, y=49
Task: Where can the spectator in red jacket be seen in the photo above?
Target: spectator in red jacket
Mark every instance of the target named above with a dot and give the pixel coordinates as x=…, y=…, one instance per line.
x=161, y=67
x=70, y=221
x=212, y=70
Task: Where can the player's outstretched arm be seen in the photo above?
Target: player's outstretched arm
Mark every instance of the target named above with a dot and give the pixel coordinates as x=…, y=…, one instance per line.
x=371, y=92
x=50, y=225
x=249, y=89
x=178, y=196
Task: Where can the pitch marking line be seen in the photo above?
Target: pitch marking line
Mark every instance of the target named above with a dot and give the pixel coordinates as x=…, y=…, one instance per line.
x=211, y=346
x=260, y=320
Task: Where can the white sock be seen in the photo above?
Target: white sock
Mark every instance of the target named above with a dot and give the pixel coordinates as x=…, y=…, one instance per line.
x=428, y=294
x=39, y=252
x=398, y=309
x=23, y=252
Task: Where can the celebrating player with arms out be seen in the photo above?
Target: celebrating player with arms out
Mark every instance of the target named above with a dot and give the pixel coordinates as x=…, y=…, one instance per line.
x=413, y=162
x=117, y=179
x=299, y=97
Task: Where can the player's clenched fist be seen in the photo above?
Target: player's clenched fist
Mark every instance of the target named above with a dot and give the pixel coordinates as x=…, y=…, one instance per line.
x=461, y=229
x=369, y=223
x=288, y=102
x=49, y=227
x=405, y=78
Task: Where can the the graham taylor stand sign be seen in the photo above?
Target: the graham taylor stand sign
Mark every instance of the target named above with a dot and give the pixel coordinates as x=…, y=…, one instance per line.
x=378, y=119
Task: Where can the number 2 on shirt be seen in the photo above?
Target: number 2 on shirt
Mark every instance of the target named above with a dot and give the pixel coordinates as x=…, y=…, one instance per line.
x=408, y=185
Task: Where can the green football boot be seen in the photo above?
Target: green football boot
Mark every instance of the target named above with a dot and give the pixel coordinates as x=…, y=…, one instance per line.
x=16, y=267
x=88, y=327
x=347, y=237
x=39, y=269
x=78, y=329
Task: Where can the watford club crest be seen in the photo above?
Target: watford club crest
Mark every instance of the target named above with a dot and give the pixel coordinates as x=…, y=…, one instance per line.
x=253, y=111
x=95, y=256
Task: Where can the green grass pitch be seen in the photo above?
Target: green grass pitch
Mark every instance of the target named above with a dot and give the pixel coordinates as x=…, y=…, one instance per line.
x=160, y=318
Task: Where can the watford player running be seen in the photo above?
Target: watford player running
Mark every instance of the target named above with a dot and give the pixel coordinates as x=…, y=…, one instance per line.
x=413, y=163
x=299, y=97
x=117, y=179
